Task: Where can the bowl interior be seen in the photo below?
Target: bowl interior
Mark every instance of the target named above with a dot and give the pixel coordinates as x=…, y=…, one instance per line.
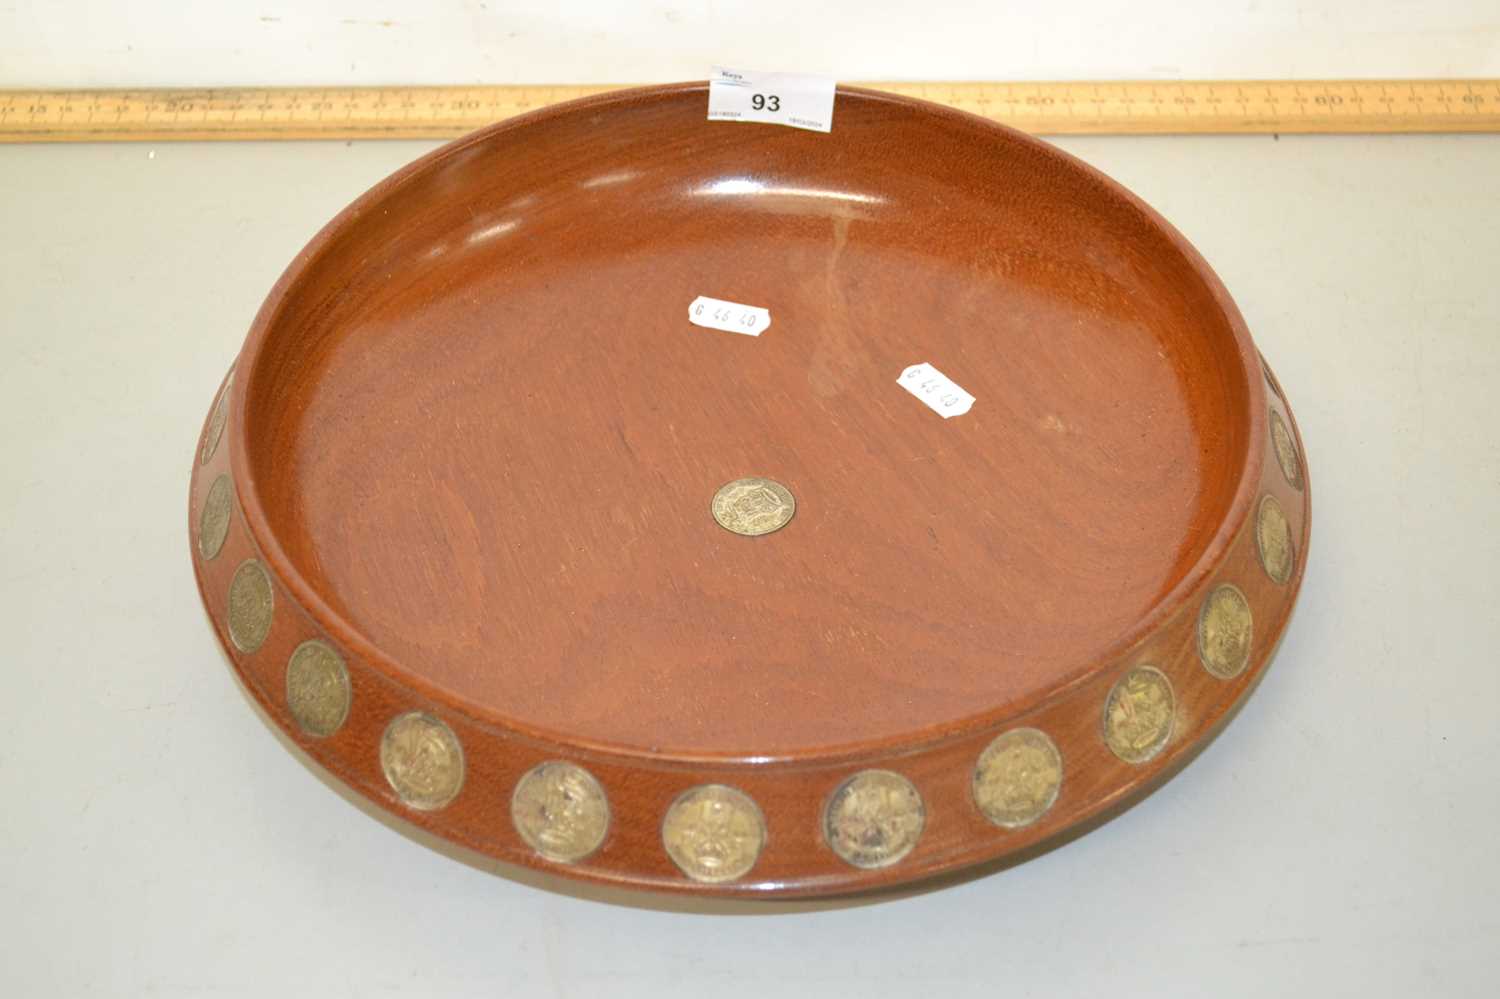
x=480, y=426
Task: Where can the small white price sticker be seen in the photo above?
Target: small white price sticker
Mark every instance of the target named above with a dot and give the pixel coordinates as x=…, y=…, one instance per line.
x=794, y=99
x=731, y=317
x=937, y=391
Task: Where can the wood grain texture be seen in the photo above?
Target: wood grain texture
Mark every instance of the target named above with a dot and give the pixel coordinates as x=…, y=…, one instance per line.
x=474, y=438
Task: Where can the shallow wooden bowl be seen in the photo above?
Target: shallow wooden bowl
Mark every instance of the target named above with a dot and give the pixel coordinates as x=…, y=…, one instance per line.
x=453, y=517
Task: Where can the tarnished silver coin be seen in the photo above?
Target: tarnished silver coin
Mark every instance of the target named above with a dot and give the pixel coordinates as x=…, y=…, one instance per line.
x=317, y=688
x=753, y=506
x=1273, y=540
x=213, y=523
x=1224, y=631
x=1286, y=451
x=422, y=760
x=216, y=423
x=251, y=601
x=1017, y=777
x=714, y=833
x=560, y=811
x=1138, y=714
x=874, y=818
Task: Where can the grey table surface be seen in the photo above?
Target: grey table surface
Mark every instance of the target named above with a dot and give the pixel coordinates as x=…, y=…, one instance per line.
x=1339, y=838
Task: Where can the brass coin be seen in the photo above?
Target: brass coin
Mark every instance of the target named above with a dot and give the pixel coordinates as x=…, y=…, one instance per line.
x=1017, y=778
x=1270, y=378
x=753, y=506
x=422, y=760
x=714, y=833
x=251, y=601
x=216, y=423
x=317, y=688
x=1273, y=540
x=1138, y=715
x=213, y=523
x=874, y=819
x=1286, y=451
x=560, y=811
x=1224, y=631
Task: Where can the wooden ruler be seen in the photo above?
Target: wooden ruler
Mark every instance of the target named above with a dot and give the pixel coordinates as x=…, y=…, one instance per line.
x=1041, y=108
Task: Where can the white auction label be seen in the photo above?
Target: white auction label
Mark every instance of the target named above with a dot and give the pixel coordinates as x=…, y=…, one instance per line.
x=794, y=99
x=937, y=391
x=731, y=317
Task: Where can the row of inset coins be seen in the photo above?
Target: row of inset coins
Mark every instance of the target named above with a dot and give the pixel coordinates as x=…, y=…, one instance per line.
x=714, y=833
x=1224, y=622
x=1139, y=712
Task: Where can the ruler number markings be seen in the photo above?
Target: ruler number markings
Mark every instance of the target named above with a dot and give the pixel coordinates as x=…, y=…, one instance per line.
x=1189, y=106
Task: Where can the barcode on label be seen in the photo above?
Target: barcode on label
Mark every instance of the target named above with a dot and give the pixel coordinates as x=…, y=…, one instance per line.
x=795, y=99
x=731, y=317
x=937, y=391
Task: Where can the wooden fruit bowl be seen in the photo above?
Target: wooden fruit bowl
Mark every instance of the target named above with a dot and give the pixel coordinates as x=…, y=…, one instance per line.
x=454, y=514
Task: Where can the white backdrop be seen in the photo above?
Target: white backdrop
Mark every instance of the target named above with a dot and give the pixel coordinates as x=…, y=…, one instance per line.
x=78, y=43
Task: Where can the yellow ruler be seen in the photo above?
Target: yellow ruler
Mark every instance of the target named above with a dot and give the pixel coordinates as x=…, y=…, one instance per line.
x=1041, y=108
